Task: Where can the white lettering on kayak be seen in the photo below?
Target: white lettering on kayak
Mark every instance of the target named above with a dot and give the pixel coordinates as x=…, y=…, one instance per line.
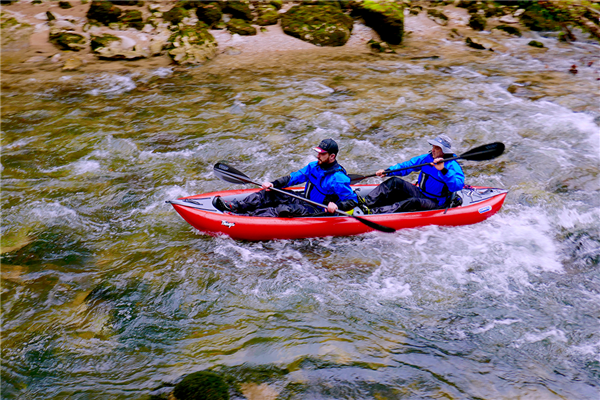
x=485, y=209
x=227, y=223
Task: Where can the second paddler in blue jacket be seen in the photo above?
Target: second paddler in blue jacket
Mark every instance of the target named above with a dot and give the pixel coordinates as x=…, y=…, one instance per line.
x=436, y=184
x=326, y=183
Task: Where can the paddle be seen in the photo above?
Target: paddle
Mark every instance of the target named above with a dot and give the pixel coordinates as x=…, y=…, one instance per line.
x=481, y=153
x=232, y=175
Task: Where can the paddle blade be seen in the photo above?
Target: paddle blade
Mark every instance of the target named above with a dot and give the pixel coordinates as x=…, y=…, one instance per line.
x=354, y=178
x=374, y=225
x=229, y=174
x=485, y=152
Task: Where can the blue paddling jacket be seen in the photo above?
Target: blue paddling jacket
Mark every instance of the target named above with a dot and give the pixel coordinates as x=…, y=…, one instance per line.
x=434, y=184
x=323, y=185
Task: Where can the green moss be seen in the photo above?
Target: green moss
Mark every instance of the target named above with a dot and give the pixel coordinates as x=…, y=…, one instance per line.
x=202, y=385
x=133, y=18
x=535, y=43
x=509, y=29
x=175, y=15
x=10, y=22
x=477, y=22
x=195, y=35
x=241, y=27
x=67, y=40
x=386, y=17
x=267, y=15
x=322, y=25
x=102, y=41
x=209, y=13
x=104, y=12
x=238, y=9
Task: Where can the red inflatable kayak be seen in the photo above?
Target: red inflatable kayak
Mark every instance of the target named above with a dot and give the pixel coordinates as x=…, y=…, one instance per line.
x=478, y=204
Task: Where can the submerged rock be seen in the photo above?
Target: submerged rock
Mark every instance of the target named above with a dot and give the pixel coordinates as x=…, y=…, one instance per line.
x=437, y=16
x=202, y=385
x=322, y=25
x=385, y=17
x=192, y=45
x=535, y=43
x=511, y=30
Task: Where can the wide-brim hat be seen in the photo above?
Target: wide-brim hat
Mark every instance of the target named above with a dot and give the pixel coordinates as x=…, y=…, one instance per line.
x=443, y=142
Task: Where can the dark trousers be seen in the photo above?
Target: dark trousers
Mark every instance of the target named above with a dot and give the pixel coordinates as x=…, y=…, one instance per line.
x=397, y=195
x=269, y=203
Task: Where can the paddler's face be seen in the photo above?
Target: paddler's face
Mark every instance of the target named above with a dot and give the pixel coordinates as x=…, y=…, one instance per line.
x=436, y=152
x=325, y=158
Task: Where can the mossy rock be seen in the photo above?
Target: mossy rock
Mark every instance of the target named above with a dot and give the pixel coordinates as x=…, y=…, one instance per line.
x=128, y=3
x=538, y=22
x=192, y=44
x=276, y=3
x=322, y=25
x=175, y=15
x=437, y=16
x=209, y=13
x=65, y=5
x=202, y=385
x=535, y=43
x=509, y=29
x=385, y=17
x=97, y=42
x=104, y=12
x=333, y=3
x=190, y=4
x=241, y=27
x=238, y=9
x=477, y=22
x=133, y=19
x=266, y=15
x=67, y=40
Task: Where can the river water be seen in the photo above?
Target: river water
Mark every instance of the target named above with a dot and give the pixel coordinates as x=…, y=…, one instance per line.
x=108, y=294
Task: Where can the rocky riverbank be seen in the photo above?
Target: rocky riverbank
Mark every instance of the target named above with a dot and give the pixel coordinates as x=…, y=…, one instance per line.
x=51, y=38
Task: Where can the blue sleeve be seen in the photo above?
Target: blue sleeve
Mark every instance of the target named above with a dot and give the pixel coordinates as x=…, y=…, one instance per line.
x=413, y=161
x=341, y=186
x=455, y=177
x=301, y=175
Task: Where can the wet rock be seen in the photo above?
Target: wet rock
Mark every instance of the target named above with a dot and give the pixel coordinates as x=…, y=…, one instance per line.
x=573, y=69
x=175, y=15
x=119, y=47
x=241, y=27
x=104, y=12
x=64, y=5
x=133, y=19
x=202, y=385
x=509, y=29
x=477, y=22
x=509, y=19
x=50, y=16
x=209, y=13
x=266, y=15
x=384, y=17
x=535, y=43
x=192, y=45
x=322, y=25
x=380, y=47
x=36, y=59
x=238, y=9
x=437, y=16
x=474, y=44
x=538, y=22
x=65, y=40
x=72, y=64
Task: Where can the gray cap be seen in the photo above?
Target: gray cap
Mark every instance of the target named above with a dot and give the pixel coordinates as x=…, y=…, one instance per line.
x=442, y=141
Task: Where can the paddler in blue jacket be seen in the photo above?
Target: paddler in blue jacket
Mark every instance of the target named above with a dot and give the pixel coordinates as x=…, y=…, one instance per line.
x=437, y=182
x=326, y=183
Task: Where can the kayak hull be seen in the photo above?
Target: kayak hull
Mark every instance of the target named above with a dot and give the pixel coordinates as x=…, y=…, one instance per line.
x=198, y=211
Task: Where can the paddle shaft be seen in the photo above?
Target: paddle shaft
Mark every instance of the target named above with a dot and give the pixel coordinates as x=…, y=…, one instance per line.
x=244, y=179
x=461, y=157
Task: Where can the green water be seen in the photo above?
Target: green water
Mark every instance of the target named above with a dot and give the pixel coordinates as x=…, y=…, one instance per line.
x=108, y=293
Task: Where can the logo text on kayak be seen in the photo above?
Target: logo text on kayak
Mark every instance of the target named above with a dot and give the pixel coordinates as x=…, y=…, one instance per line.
x=227, y=223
